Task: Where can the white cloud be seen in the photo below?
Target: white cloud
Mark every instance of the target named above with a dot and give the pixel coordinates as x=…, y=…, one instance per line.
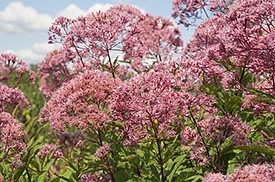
x=17, y=17
x=99, y=7
x=44, y=48
x=73, y=11
x=35, y=54
x=8, y=27
x=27, y=55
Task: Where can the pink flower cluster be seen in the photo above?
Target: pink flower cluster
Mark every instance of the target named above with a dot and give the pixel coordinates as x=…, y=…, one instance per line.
x=96, y=40
x=16, y=161
x=152, y=38
x=213, y=129
x=257, y=173
x=80, y=102
x=10, y=98
x=188, y=11
x=220, y=128
x=46, y=150
x=12, y=134
x=11, y=131
x=54, y=70
x=147, y=101
x=102, y=151
x=10, y=64
x=95, y=178
x=221, y=49
x=58, y=154
x=58, y=30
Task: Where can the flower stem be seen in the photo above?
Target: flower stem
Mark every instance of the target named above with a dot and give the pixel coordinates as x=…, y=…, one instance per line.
x=107, y=163
x=160, y=160
x=199, y=132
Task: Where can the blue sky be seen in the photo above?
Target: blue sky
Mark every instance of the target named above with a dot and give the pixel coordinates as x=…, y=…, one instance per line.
x=24, y=24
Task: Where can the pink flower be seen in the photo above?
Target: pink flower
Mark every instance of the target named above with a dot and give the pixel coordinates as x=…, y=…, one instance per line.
x=58, y=154
x=54, y=70
x=146, y=101
x=91, y=41
x=263, y=173
x=11, y=97
x=215, y=177
x=46, y=150
x=9, y=64
x=102, y=151
x=12, y=133
x=95, y=178
x=79, y=143
x=151, y=38
x=81, y=102
x=188, y=135
x=214, y=129
x=188, y=11
x=257, y=173
x=16, y=161
x=11, y=139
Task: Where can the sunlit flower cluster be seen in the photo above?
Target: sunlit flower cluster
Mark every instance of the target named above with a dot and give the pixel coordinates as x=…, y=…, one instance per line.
x=80, y=102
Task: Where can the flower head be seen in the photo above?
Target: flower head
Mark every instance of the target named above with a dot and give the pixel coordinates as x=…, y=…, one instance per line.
x=102, y=151
x=264, y=172
x=10, y=64
x=81, y=102
x=46, y=150
x=11, y=134
x=11, y=97
x=146, y=98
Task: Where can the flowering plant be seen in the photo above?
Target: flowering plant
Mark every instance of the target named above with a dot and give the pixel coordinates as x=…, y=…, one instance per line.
x=125, y=101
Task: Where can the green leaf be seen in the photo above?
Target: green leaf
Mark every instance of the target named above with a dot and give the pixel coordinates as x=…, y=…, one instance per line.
x=18, y=173
x=195, y=178
x=121, y=176
x=34, y=141
x=30, y=122
x=175, y=166
x=237, y=151
x=42, y=176
x=231, y=166
x=246, y=116
x=66, y=176
x=73, y=167
x=140, y=153
x=267, y=98
x=36, y=163
x=45, y=170
x=154, y=171
x=261, y=149
x=55, y=180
